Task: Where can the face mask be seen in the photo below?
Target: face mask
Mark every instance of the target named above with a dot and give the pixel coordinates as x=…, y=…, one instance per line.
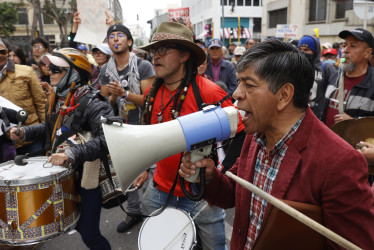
x=330, y=61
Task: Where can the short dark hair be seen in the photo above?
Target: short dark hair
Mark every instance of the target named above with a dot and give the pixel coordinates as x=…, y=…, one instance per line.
x=278, y=63
x=336, y=46
x=40, y=40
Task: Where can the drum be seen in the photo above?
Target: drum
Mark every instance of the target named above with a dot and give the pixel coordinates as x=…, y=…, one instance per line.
x=172, y=229
x=37, y=201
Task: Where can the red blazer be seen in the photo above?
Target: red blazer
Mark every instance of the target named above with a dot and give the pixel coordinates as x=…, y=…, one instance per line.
x=319, y=168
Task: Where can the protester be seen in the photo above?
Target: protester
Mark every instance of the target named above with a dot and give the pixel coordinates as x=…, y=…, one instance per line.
x=175, y=59
x=218, y=68
x=67, y=66
x=83, y=48
x=16, y=55
x=322, y=72
x=39, y=47
x=124, y=79
x=101, y=54
x=238, y=52
x=249, y=43
x=230, y=51
x=358, y=79
x=288, y=153
x=20, y=85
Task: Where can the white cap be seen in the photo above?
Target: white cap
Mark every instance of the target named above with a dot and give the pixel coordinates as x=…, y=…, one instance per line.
x=238, y=51
x=327, y=45
x=103, y=48
x=55, y=60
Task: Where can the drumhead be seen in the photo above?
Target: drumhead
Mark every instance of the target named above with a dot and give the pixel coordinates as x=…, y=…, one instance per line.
x=172, y=229
x=37, y=170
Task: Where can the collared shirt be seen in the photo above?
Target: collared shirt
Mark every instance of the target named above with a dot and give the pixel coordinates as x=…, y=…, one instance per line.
x=266, y=170
x=2, y=71
x=215, y=69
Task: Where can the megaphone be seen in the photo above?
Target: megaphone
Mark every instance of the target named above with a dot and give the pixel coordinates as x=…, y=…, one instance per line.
x=134, y=148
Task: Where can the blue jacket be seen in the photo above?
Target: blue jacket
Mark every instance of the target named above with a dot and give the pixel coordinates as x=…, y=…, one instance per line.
x=227, y=74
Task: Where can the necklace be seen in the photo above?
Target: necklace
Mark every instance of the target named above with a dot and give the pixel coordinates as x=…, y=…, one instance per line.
x=160, y=114
x=171, y=83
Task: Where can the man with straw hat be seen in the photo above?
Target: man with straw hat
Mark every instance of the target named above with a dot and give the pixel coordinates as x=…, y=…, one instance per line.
x=175, y=92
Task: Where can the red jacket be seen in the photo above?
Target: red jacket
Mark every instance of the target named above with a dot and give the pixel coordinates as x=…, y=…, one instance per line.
x=319, y=168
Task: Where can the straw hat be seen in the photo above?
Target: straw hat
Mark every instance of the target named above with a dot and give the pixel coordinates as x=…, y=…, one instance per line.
x=177, y=33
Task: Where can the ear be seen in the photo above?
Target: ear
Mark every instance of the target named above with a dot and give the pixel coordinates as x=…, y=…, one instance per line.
x=285, y=96
x=185, y=55
x=129, y=42
x=368, y=53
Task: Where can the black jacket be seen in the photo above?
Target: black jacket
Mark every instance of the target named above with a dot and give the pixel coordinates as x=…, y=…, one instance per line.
x=89, y=151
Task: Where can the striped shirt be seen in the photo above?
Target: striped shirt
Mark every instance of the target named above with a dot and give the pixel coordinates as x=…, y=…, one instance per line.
x=266, y=170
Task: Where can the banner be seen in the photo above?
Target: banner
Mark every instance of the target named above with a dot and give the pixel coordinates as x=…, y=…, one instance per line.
x=286, y=30
x=175, y=15
x=92, y=29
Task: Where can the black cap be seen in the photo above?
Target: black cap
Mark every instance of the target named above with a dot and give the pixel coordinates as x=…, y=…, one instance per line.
x=119, y=27
x=360, y=34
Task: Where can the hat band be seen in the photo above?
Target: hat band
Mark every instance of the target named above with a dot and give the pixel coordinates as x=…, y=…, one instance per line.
x=167, y=36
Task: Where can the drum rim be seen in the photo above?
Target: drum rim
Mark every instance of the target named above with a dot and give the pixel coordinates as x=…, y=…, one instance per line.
x=36, y=180
x=194, y=239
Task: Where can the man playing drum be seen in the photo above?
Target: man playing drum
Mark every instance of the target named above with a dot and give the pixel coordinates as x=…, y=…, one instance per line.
x=288, y=153
x=68, y=67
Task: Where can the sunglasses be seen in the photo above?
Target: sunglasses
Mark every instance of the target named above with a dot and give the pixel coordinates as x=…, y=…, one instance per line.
x=3, y=52
x=55, y=69
x=161, y=50
x=38, y=46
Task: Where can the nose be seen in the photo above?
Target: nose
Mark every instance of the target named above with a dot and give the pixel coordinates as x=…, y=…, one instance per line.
x=238, y=93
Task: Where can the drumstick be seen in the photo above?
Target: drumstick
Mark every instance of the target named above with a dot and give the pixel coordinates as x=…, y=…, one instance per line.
x=181, y=231
x=294, y=213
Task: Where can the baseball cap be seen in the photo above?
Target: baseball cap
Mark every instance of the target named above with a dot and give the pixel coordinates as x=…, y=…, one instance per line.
x=360, y=34
x=82, y=47
x=238, y=51
x=214, y=43
x=103, y=48
x=55, y=60
x=330, y=51
x=327, y=45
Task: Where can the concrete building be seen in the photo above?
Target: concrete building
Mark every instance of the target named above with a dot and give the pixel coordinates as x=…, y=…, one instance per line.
x=328, y=16
x=22, y=36
x=217, y=16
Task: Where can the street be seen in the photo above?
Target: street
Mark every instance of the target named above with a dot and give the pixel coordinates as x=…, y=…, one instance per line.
x=119, y=241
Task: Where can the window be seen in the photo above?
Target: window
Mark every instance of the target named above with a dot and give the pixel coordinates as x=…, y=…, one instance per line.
x=317, y=10
x=224, y=2
x=277, y=17
x=47, y=19
x=257, y=25
x=239, y=2
x=342, y=7
x=256, y=3
x=248, y=2
x=22, y=16
x=231, y=2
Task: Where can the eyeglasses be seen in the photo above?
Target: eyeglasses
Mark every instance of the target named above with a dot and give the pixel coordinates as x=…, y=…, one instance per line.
x=55, y=69
x=119, y=35
x=38, y=47
x=3, y=52
x=42, y=64
x=161, y=50
x=97, y=53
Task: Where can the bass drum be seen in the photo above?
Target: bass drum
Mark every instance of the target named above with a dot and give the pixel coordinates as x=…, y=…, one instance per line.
x=38, y=201
x=172, y=229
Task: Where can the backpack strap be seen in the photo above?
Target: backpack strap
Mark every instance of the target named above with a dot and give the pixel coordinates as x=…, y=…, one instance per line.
x=196, y=92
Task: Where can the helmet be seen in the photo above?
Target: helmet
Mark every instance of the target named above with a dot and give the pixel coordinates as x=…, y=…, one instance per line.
x=78, y=60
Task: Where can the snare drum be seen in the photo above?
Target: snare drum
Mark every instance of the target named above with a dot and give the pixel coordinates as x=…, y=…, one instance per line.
x=172, y=229
x=37, y=201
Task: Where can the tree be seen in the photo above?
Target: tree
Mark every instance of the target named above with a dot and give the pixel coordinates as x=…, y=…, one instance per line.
x=58, y=12
x=8, y=18
x=138, y=42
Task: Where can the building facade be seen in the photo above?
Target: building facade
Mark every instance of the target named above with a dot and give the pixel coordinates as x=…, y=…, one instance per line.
x=327, y=17
x=228, y=20
x=50, y=30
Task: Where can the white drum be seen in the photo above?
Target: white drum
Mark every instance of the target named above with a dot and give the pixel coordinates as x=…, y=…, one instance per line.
x=172, y=229
x=37, y=201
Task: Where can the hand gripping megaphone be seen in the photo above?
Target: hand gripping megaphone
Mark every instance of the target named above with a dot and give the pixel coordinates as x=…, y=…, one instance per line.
x=134, y=148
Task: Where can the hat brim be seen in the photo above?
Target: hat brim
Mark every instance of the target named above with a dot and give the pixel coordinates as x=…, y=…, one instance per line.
x=215, y=45
x=55, y=60
x=197, y=51
x=343, y=34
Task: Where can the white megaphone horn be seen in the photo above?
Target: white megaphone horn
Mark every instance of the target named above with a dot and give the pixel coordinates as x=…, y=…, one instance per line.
x=134, y=148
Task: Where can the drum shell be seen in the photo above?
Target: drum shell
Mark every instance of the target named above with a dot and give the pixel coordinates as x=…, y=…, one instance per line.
x=31, y=209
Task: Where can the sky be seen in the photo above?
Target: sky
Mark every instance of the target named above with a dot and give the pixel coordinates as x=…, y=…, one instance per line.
x=145, y=10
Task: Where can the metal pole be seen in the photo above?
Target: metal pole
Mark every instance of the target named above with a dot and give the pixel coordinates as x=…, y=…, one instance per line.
x=223, y=21
x=41, y=33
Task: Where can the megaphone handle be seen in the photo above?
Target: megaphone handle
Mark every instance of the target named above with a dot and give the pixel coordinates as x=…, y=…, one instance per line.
x=197, y=155
x=18, y=127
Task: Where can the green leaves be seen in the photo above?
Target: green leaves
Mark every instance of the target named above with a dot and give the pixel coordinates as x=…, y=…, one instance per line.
x=8, y=18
